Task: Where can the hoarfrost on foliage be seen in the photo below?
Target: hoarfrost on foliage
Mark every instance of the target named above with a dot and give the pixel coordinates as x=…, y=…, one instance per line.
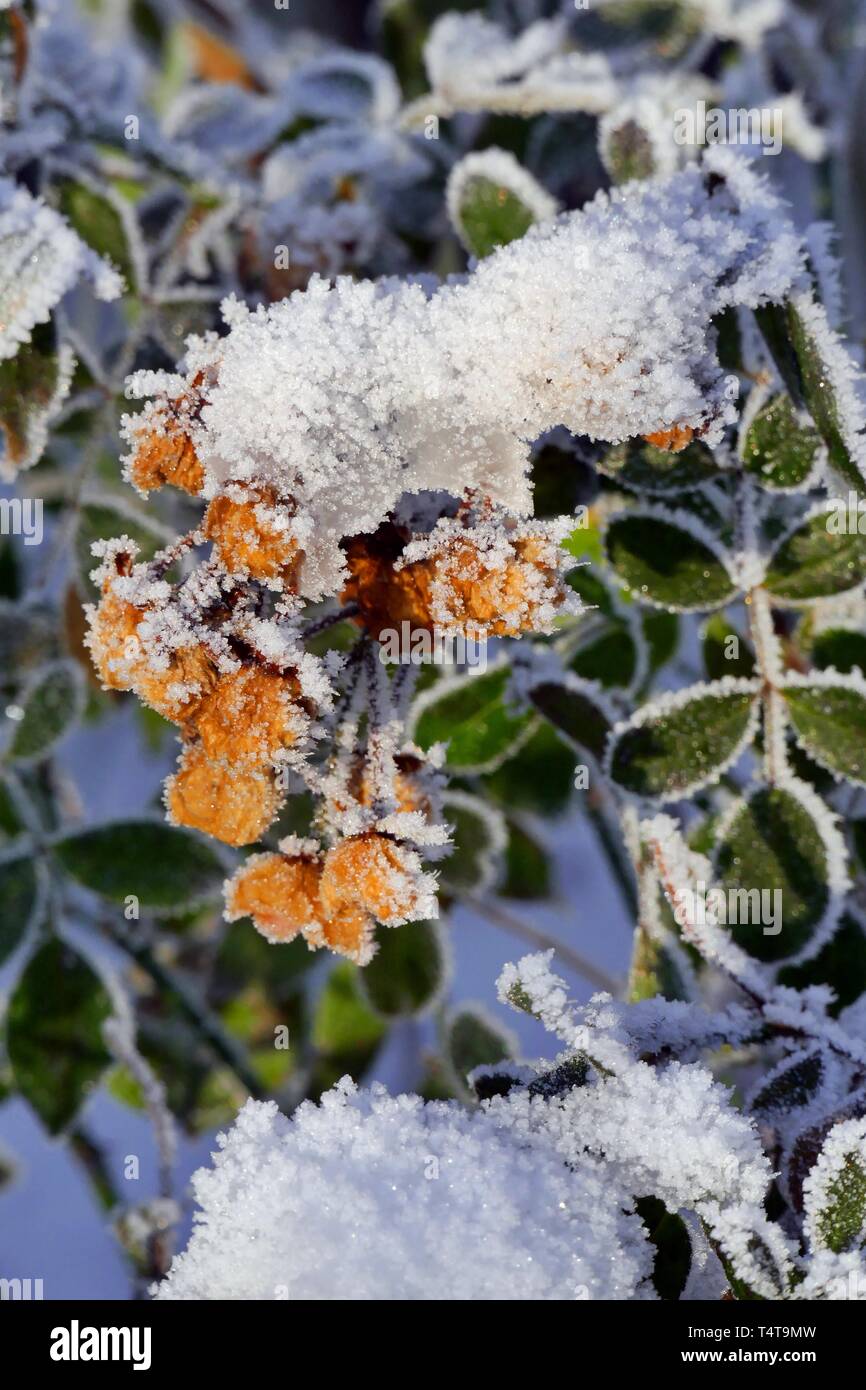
x=41, y=258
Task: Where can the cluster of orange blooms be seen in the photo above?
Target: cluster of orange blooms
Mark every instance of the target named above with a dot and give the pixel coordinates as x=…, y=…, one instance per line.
x=242, y=716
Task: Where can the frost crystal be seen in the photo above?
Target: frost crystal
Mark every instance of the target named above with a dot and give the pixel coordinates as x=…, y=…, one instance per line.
x=372, y=1197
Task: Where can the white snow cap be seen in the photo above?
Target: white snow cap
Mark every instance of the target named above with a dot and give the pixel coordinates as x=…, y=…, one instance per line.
x=368, y=1196
x=347, y=398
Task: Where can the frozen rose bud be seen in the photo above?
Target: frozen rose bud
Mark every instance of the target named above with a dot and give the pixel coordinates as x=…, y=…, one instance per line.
x=112, y=638
x=235, y=805
x=497, y=578
x=251, y=536
x=250, y=716
x=349, y=932
x=165, y=455
x=177, y=691
x=673, y=440
x=481, y=592
x=380, y=876
x=386, y=597
x=280, y=893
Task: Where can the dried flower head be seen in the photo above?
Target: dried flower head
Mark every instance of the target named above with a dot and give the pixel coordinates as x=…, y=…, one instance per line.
x=233, y=804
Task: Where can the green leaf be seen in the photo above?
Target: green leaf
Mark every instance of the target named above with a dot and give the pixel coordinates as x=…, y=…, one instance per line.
x=99, y=522
x=32, y=385
x=576, y=709
x=655, y=970
x=28, y=638
x=492, y=211
x=54, y=1033
x=609, y=658
x=781, y=448
x=470, y=714
x=527, y=868
x=773, y=844
x=829, y=718
x=161, y=865
x=539, y=777
x=840, y=648
x=725, y=652
x=407, y=973
x=478, y=836
x=816, y=561
x=99, y=223
x=645, y=468
x=661, y=632
x=20, y=902
x=474, y=1040
x=841, y=964
x=673, y=1247
x=667, y=565
x=46, y=710
x=683, y=742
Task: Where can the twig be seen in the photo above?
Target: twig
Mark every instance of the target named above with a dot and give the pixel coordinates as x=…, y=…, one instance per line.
x=542, y=941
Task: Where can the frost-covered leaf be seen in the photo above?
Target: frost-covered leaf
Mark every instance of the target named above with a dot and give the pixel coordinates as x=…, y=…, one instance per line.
x=492, y=200
x=28, y=638
x=577, y=708
x=164, y=866
x=33, y=386
x=676, y=566
x=819, y=372
x=41, y=258
x=781, y=448
x=470, y=713
x=816, y=561
x=661, y=472
x=479, y=839
x=840, y=648
x=841, y=964
x=407, y=973
x=835, y=1190
x=790, y=1086
x=783, y=865
x=828, y=712
x=46, y=709
x=725, y=652
x=101, y=219
x=22, y=896
x=673, y=1247
x=345, y=86
x=54, y=1032
x=474, y=1039
x=681, y=742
